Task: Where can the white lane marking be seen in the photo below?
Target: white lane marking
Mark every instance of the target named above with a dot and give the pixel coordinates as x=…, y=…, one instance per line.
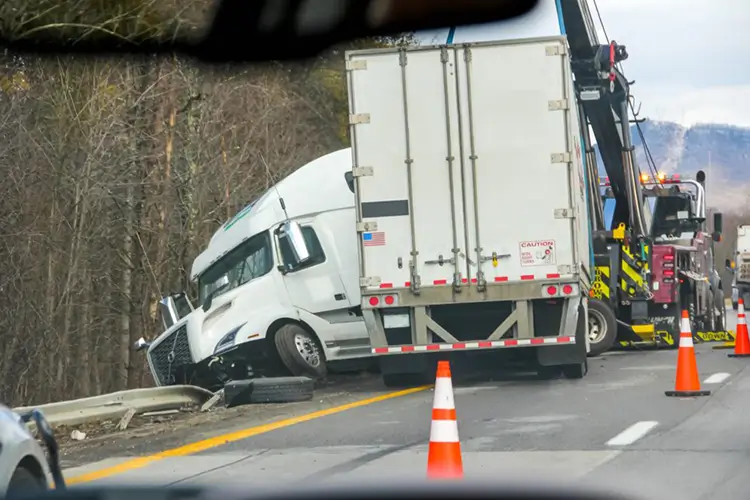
x=632, y=433
x=717, y=378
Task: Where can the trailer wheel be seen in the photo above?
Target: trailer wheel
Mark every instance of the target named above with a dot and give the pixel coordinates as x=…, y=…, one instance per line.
x=602, y=327
x=300, y=352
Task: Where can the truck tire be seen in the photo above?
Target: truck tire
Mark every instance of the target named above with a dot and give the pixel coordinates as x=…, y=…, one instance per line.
x=268, y=390
x=721, y=323
x=23, y=481
x=281, y=390
x=602, y=327
x=711, y=320
x=300, y=352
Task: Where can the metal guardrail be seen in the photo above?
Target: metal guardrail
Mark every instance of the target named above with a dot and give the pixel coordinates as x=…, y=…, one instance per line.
x=117, y=404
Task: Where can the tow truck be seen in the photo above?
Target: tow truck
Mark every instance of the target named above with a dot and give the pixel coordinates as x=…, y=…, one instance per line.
x=653, y=255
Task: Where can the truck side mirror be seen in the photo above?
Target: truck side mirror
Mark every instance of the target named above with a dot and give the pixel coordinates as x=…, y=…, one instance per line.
x=349, y=178
x=292, y=231
x=168, y=309
x=718, y=226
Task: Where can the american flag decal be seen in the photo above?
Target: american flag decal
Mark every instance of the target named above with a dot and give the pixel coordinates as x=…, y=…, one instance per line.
x=376, y=239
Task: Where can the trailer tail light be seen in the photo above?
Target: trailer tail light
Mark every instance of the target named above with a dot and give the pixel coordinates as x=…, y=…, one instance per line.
x=559, y=290
x=382, y=300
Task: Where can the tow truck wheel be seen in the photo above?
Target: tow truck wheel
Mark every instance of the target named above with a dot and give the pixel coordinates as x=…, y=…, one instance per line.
x=300, y=352
x=602, y=327
x=721, y=323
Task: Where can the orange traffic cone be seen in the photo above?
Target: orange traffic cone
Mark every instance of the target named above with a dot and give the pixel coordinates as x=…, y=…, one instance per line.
x=687, y=383
x=444, y=458
x=741, y=340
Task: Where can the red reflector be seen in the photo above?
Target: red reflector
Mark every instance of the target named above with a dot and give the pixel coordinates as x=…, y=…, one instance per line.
x=669, y=257
x=440, y=282
x=386, y=285
x=389, y=300
x=668, y=273
x=553, y=275
x=567, y=289
x=374, y=301
x=551, y=290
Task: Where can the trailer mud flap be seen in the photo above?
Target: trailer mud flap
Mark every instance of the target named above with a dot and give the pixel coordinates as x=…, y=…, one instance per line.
x=567, y=354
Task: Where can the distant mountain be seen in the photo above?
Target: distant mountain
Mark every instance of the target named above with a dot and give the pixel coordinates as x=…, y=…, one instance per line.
x=722, y=151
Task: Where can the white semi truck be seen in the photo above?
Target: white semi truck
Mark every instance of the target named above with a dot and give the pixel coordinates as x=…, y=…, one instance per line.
x=265, y=309
x=471, y=207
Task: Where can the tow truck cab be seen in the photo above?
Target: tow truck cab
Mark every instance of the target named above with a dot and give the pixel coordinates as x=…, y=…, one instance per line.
x=682, y=265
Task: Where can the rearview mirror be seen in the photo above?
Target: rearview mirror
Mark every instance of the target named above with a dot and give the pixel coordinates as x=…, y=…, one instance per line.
x=292, y=231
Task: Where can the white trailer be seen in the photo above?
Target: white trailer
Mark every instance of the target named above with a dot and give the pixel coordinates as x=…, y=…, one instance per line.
x=471, y=208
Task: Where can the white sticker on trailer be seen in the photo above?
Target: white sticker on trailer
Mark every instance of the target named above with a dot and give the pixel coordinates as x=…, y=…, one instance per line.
x=537, y=253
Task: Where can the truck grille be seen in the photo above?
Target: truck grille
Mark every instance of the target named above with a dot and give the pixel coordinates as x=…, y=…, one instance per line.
x=164, y=363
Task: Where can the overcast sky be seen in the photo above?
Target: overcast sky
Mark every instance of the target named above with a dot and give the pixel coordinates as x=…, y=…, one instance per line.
x=689, y=57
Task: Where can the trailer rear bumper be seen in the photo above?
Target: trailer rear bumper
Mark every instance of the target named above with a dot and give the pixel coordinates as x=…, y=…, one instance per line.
x=468, y=346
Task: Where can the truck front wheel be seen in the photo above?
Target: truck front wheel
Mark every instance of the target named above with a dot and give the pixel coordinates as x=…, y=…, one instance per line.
x=602, y=327
x=300, y=352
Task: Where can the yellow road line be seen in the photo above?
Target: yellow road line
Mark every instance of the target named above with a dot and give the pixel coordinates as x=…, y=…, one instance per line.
x=189, y=449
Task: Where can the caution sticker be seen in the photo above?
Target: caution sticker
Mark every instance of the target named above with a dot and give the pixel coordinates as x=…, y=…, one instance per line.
x=537, y=253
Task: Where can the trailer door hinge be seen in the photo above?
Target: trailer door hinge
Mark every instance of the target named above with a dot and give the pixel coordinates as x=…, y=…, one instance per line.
x=556, y=50
x=364, y=227
x=358, y=119
x=561, y=158
x=355, y=65
x=558, y=105
x=564, y=213
x=369, y=281
x=362, y=172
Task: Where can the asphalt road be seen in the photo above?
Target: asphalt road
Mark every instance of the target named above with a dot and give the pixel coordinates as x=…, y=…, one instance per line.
x=614, y=428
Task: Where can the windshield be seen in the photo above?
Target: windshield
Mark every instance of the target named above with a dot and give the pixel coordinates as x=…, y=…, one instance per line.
x=252, y=259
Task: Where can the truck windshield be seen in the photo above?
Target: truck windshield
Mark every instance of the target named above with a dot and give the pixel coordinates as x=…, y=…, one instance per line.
x=250, y=260
x=666, y=221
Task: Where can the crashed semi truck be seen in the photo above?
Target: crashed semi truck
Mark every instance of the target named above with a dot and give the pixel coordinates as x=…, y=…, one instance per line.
x=264, y=307
x=471, y=205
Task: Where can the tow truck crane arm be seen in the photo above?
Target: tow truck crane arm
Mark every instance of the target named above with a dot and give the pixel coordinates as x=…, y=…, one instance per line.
x=603, y=96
